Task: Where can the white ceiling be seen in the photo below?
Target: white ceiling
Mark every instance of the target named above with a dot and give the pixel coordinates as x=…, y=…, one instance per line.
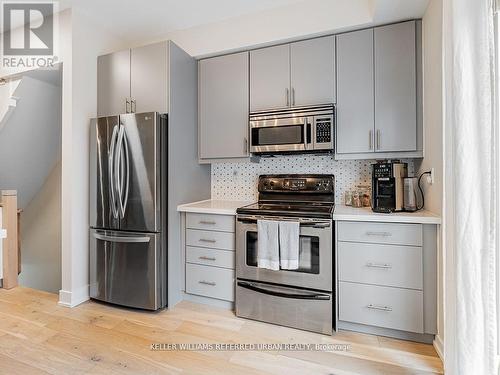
x=152, y=19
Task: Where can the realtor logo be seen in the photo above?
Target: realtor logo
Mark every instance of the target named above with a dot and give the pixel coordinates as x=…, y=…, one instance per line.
x=28, y=29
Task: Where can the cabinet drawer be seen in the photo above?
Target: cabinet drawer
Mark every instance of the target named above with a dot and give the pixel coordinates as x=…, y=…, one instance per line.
x=210, y=257
x=381, y=306
x=211, y=239
x=389, y=265
x=222, y=223
x=210, y=281
x=384, y=233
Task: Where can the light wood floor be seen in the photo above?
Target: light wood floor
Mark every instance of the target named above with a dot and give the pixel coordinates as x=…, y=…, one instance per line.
x=38, y=337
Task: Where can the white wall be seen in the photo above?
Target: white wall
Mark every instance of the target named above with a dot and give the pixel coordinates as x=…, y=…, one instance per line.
x=299, y=20
x=433, y=131
x=41, y=237
x=82, y=42
x=30, y=139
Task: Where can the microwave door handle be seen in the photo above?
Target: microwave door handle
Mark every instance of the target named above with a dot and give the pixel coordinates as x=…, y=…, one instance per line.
x=305, y=133
x=276, y=293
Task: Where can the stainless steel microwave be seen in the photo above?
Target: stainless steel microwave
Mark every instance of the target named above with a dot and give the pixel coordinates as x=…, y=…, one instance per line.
x=300, y=129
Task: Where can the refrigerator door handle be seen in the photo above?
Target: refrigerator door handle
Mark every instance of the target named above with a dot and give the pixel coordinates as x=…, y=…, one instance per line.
x=111, y=168
x=127, y=239
x=118, y=177
x=123, y=203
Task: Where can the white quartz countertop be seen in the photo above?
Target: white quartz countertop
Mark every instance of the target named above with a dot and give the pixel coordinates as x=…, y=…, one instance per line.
x=213, y=206
x=342, y=213
x=347, y=213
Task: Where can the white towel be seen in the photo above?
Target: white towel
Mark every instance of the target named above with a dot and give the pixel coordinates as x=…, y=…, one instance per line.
x=289, y=244
x=268, y=253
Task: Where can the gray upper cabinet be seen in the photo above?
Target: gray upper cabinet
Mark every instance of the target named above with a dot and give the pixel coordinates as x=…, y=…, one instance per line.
x=223, y=106
x=312, y=71
x=395, y=87
x=148, y=78
x=355, y=102
x=113, y=83
x=133, y=80
x=270, y=77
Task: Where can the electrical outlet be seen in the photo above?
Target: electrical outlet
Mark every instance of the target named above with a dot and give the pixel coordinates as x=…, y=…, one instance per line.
x=430, y=178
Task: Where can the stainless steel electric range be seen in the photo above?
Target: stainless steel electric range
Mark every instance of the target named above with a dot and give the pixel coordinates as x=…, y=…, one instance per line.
x=302, y=298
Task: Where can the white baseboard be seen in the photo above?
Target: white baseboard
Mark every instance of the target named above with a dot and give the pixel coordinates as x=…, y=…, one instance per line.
x=74, y=298
x=438, y=345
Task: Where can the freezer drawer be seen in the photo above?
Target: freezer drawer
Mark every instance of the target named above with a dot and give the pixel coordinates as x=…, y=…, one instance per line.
x=297, y=308
x=127, y=269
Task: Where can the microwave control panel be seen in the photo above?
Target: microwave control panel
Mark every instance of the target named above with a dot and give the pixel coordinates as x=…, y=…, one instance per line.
x=323, y=132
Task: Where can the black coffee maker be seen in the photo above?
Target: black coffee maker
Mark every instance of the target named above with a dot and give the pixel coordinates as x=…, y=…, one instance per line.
x=388, y=186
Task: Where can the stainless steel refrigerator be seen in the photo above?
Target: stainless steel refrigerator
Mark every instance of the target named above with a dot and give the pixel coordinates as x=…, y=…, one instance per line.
x=128, y=210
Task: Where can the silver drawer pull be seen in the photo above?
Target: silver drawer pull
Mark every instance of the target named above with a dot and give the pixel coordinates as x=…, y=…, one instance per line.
x=381, y=234
x=207, y=222
x=378, y=307
x=378, y=265
x=206, y=258
x=206, y=240
x=211, y=283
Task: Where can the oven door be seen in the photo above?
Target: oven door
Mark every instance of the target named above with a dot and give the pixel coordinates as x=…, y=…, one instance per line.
x=315, y=255
x=280, y=135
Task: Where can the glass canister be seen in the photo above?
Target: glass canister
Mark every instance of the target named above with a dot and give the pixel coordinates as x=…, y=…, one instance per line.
x=348, y=198
x=365, y=195
x=356, y=199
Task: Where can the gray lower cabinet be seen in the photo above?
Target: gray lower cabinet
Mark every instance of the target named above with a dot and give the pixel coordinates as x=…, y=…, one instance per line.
x=395, y=87
x=210, y=254
x=270, y=77
x=113, y=83
x=312, y=71
x=223, y=107
x=133, y=80
x=355, y=100
x=386, y=278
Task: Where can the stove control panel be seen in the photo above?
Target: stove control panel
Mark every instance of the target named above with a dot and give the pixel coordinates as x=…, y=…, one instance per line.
x=297, y=184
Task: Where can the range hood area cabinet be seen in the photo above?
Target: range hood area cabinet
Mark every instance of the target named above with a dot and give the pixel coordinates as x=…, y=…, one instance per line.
x=133, y=80
x=223, y=107
x=379, y=92
x=292, y=75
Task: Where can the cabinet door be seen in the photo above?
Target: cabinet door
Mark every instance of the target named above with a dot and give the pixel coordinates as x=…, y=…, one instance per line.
x=113, y=83
x=223, y=106
x=148, y=78
x=355, y=108
x=270, y=77
x=312, y=64
x=395, y=88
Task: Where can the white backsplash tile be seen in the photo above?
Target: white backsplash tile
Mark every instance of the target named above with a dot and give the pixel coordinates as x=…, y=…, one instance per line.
x=238, y=181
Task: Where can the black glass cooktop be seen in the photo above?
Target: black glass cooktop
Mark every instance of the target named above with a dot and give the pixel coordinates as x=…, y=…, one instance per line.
x=305, y=209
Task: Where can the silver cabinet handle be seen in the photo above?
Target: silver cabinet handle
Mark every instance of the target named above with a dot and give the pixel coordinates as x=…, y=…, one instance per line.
x=207, y=258
x=206, y=240
x=245, y=145
x=132, y=106
x=378, y=265
x=287, y=95
x=378, y=307
x=211, y=283
x=380, y=234
x=293, y=96
x=127, y=105
x=207, y=222
x=125, y=239
x=378, y=139
x=370, y=140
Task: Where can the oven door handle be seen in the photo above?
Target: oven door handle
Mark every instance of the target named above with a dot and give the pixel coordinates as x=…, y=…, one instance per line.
x=319, y=225
x=315, y=296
